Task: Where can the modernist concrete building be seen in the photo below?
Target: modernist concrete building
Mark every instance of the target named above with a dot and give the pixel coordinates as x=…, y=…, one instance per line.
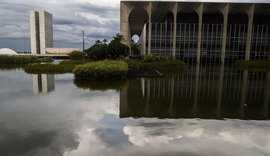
x=199, y=30
x=41, y=31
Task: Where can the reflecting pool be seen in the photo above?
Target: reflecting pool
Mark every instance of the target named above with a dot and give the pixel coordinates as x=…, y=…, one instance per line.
x=203, y=111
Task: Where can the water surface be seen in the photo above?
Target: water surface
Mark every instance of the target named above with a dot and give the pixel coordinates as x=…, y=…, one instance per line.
x=204, y=111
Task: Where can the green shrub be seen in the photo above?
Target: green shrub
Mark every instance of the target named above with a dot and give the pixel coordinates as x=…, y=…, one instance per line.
x=101, y=70
x=75, y=62
x=98, y=51
x=45, y=59
x=167, y=65
x=155, y=58
x=77, y=55
x=116, y=48
x=7, y=59
x=49, y=68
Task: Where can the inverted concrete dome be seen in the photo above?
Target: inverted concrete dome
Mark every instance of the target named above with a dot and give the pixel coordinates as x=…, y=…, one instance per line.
x=7, y=51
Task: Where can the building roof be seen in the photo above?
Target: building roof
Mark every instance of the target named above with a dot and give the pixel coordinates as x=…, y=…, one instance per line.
x=204, y=1
x=7, y=51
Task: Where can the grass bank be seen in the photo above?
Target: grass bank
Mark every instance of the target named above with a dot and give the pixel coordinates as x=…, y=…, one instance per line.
x=101, y=70
x=9, y=67
x=108, y=70
x=74, y=62
x=252, y=65
x=65, y=66
x=49, y=68
x=18, y=60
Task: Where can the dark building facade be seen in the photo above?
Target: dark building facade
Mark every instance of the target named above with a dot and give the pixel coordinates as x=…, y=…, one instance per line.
x=199, y=31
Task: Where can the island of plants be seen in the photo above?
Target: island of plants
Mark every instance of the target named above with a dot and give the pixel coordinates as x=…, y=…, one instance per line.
x=65, y=66
x=101, y=70
x=102, y=61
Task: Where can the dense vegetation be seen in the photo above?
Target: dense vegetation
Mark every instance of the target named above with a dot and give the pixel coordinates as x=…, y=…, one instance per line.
x=8, y=59
x=77, y=55
x=154, y=58
x=74, y=62
x=114, y=50
x=249, y=65
x=65, y=66
x=140, y=68
x=101, y=70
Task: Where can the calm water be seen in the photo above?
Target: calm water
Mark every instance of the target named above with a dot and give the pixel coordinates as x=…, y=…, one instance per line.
x=204, y=111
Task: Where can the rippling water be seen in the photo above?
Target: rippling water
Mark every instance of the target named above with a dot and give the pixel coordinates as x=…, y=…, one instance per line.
x=204, y=111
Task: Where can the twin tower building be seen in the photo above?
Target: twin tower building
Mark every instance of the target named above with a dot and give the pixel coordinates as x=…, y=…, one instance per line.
x=41, y=31
x=41, y=35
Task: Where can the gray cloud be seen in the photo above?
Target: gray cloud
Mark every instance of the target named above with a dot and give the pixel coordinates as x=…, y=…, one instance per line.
x=69, y=18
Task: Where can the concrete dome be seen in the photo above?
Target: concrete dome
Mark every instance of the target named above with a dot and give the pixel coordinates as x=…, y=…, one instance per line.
x=7, y=51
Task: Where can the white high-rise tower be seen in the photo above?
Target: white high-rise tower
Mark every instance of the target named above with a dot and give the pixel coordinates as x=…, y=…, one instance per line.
x=41, y=31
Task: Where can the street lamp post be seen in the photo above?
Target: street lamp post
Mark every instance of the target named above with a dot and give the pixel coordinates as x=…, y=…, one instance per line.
x=24, y=38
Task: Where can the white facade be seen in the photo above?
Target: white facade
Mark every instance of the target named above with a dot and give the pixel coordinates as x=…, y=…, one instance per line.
x=41, y=31
x=43, y=83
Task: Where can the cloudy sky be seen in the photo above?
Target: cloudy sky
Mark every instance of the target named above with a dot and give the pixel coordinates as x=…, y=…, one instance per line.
x=98, y=18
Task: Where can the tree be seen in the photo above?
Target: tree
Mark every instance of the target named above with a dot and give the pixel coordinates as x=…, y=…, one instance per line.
x=98, y=42
x=97, y=52
x=105, y=41
x=135, y=48
x=118, y=38
x=116, y=48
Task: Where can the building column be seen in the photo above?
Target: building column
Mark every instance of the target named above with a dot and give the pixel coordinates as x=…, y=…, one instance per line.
x=124, y=24
x=220, y=89
x=196, y=90
x=200, y=13
x=172, y=96
x=266, y=96
x=148, y=92
x=175, y=11
x=243, y=94
x=225, y=13
x=149, y=10
x=249, y=33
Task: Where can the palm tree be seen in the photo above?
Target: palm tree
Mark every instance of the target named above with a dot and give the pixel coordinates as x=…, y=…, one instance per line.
x=105, y=41
x=98, y=41
x=118, y=38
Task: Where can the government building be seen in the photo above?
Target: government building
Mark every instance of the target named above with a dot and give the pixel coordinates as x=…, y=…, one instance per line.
x=41, y=31
x=199, y=31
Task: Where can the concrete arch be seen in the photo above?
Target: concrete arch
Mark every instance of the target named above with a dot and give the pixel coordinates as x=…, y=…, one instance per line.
x=162, y=15
x=213, y=17
x=190, y=16
x=213, y=13
x=138, y=17
x=237, y=18
x=261, y=19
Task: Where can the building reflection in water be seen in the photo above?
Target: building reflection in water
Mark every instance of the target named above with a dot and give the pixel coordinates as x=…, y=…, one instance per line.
x=43, y=83
x=207, y=92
